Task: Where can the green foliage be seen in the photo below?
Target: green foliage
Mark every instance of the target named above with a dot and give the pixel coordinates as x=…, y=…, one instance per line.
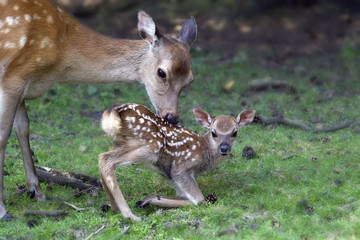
x=300, y=185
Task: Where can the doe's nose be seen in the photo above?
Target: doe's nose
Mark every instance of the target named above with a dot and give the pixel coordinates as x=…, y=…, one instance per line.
x=172, y=118
x=224, y=148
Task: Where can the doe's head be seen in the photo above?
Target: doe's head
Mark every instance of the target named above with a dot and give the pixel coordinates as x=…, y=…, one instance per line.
x=167, y=69
x=223, y=128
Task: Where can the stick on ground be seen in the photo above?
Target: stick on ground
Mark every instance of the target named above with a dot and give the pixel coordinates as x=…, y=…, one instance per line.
x=280, y=119
x=71, y=179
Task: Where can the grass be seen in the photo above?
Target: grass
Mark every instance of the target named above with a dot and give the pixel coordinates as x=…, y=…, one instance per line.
x=300, y=185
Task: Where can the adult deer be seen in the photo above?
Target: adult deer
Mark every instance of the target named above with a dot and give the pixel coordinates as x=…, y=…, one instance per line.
x=41, y=45
x=176, y=153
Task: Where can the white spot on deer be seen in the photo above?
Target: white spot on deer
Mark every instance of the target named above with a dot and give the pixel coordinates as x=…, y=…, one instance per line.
x=182, y=153
x=9, y=44
x=159, y=144
x=137, y=128
x=12, y=20
x=27, y=17
x=148, y=130
x=159, y=134
x=153, y=134
x=138, y=112
x=5, y=31
x=188, y=155
x=16, y=8
x=59, y=9
x=1, y=23
x=36, y=16
x=143, y=129
x=49, y=19
x=130, y=119
x=141, y=120
x=151, y=140
x=130, y=125
x=3, y=2
x=149, y=123
x=193, y=147
x=193, y=159
x=23, y=41
x=37, y=3
x=46, y=42
x=198, y=143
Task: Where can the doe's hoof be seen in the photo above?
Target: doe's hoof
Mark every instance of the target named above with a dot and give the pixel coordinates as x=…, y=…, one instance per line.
x=31, y=194
x=8, y=218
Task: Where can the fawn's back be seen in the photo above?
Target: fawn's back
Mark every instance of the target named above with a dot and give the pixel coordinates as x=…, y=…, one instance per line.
x=168, y=145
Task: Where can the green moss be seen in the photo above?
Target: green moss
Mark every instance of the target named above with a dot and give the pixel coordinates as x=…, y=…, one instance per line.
x=299, y=185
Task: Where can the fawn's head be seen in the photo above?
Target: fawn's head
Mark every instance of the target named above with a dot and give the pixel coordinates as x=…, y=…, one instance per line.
x=168, y=69
x=223, y=128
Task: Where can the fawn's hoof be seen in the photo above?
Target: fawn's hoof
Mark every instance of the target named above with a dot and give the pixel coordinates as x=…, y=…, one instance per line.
x=145, y=203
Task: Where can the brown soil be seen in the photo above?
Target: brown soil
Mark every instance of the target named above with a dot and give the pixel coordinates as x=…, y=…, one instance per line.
x=269, y=34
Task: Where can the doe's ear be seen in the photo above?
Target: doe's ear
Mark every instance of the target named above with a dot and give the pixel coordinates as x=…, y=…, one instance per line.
x=147, y=29
x=202, y=117
x=188, y=32
x=245, y=117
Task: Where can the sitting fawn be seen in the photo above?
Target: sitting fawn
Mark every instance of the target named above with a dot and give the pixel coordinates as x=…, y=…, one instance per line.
x=178, y=154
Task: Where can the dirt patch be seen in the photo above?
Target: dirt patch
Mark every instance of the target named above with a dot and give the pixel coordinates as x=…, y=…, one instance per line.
x=270, y=31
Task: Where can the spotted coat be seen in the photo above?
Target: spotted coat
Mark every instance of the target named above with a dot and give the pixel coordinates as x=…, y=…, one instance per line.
x=176, y=148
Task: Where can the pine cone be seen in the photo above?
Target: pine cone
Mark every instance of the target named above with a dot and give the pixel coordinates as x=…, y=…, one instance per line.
x=212, y=198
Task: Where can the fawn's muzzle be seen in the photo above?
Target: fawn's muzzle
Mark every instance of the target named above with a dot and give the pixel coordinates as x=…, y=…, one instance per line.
x=224, y=148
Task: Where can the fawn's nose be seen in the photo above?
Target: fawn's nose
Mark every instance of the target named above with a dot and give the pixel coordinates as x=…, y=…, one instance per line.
x=171, y=118
x=224, y=148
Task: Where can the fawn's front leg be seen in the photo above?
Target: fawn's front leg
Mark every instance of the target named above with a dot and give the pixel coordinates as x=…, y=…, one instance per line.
x=188, y=190
x=108, y=162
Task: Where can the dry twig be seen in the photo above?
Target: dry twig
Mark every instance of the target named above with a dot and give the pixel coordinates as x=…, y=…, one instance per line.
x=74, y=207
x=280, y=119
x=96, y=232
x=71, y=179
x=54, y=213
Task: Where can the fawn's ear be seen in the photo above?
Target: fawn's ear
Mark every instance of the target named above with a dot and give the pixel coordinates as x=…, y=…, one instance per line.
x=147, y=29
x=202, y=117
x=245, y=117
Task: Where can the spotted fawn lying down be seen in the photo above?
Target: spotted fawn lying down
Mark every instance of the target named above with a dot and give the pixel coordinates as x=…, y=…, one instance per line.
x=176, y=153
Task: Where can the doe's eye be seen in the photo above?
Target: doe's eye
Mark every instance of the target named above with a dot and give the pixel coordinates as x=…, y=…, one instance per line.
x=161, y=74
x=234, y=134
x=213, y=133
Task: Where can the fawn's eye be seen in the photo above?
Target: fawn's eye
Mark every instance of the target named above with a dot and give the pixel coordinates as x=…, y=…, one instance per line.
x=234, y=134
x=161, y=74
x=213, y=133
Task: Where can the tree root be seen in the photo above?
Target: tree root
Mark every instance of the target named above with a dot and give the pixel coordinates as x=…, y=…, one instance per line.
x=71, y=179
x=280, y=119
x=54, y=213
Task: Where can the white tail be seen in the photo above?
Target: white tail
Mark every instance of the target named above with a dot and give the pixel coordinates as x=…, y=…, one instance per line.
x=41, y=45
x=177, y=153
